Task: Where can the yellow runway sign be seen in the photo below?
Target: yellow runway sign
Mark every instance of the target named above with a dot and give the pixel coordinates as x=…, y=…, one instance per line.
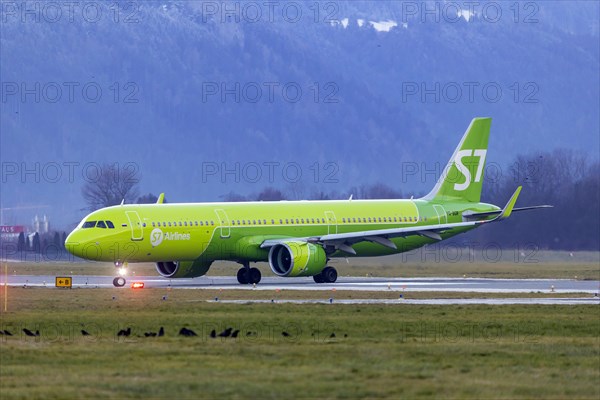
x=64, y=281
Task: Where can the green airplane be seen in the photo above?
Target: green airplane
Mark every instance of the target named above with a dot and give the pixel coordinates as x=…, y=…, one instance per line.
x=297, y=238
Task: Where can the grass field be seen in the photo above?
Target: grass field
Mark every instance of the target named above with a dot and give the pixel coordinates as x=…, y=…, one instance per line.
x=447, y=262
x=378, y=351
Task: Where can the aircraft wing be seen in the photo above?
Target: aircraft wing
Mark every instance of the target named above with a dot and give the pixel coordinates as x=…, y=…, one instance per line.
x=344, y=241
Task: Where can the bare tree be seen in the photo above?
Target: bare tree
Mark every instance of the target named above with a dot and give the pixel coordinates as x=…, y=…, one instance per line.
x=270, y=194
x=112, y=186
x=149, y=199
x=233, y=197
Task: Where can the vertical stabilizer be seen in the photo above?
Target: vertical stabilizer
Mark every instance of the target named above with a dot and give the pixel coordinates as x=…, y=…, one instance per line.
x=463, y=176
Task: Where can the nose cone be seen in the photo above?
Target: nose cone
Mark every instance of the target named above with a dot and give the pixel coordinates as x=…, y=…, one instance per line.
x=73, y=243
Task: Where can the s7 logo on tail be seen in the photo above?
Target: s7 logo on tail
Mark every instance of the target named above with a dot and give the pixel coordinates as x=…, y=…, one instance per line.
x=481, y=153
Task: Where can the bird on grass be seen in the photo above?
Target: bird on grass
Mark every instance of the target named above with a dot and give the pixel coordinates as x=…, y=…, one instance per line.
x=85, y=333
x=29, y=333
x=124, y=332
x=187, y=332
x=7, y=332
x=285, y=334
x=235, y=333
x=213, y=334
x=161, y=332
x=226, y=332
x=332, y=335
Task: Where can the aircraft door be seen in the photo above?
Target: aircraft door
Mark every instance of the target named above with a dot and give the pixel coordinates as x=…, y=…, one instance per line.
x=137, y=233
x=441, y=213
x=224, y=223
x=331, y=222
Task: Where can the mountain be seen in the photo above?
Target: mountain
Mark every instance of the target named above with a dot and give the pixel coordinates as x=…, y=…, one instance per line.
x=203, y=100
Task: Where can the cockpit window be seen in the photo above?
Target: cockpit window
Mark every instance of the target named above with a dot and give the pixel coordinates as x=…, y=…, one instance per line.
x=89, y=224
x=110, y=224
x=101, y=224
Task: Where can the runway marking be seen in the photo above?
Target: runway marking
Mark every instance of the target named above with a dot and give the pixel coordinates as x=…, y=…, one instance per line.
x=516, y=301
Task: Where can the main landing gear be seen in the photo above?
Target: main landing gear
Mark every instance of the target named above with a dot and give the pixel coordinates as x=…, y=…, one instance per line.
x=120, y=281
x=247, y=275
x=328, y=275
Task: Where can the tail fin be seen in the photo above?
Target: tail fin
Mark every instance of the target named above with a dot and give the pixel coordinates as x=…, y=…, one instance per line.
x=463, y=176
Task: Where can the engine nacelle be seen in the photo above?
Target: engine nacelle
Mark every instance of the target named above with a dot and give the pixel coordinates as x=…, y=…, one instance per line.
x=297, y=259
x=182, y=269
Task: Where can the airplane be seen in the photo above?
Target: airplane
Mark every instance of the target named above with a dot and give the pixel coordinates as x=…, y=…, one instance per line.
x=297, y=238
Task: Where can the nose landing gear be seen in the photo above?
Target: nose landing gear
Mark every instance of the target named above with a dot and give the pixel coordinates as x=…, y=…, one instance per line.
x=120, y=281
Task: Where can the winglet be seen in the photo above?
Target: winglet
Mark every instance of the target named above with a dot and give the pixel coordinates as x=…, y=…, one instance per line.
x=161, y=199
x=507, y=210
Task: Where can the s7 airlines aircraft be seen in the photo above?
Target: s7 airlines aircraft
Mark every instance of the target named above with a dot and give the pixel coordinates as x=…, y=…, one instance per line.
x=297, y=238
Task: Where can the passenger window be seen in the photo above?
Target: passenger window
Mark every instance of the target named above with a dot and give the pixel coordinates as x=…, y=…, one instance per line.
x=110, y=224
x=101, y=224
x=89, y=224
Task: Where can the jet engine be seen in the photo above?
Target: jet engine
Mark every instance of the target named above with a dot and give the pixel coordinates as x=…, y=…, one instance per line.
x=296, y=258
x=182, y=269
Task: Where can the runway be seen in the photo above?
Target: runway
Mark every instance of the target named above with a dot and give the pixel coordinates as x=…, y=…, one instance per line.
x=500, y=301
x=343, y=283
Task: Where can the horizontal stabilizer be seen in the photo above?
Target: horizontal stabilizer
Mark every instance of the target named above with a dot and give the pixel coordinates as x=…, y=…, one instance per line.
x=477, y=215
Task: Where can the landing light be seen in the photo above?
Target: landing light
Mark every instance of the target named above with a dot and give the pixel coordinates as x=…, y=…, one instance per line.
x=137, y=285
x=122, y=271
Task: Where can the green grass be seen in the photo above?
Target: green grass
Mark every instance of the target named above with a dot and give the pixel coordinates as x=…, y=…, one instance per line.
x=390, y=351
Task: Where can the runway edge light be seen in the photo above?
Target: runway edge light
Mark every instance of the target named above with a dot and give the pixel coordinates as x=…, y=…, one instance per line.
x=137, y=285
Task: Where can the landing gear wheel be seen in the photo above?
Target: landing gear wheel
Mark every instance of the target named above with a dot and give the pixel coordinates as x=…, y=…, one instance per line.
x=242, y=276
x=329, y=275
x=119, y=281
x=318, y=278
x=254, y=275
